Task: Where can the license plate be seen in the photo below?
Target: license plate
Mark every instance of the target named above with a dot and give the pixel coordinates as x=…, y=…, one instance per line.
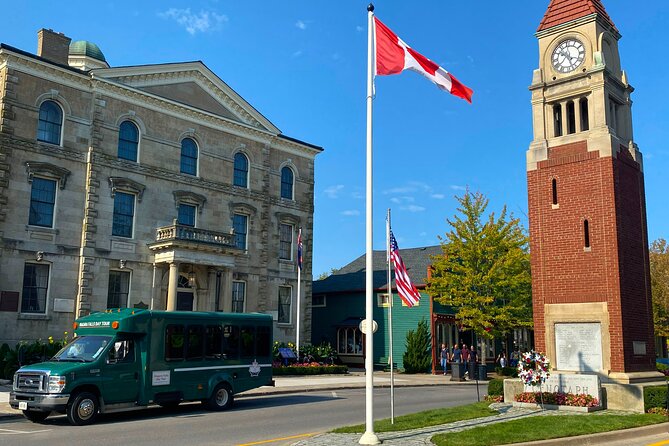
x=23, y=405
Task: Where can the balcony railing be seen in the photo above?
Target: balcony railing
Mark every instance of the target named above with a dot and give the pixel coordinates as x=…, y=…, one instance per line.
x=178, y=232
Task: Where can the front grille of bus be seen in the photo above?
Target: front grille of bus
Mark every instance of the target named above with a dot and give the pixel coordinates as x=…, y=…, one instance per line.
x=30, y=382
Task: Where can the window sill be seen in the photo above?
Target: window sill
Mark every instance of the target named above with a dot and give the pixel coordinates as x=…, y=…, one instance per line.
x=555, y=206
x=34, y=316
x=587, y=249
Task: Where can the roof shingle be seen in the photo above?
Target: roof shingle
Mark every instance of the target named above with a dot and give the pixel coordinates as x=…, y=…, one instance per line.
x=563, y=11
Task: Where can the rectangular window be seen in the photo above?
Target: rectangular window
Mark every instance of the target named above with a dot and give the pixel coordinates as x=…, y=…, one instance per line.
x=174, y=342
x=285, y=301
x=247, y=338
x=186, y=215
x=383, y=300
x=557, y=120
x=240, y=225
x=230, y=342
x=318, y=301
x=263, y=339
x=571, y=118
x=585, y=119
x=117, y=291
x=124, y=212
x=42, y=201
x=213, y=338
x=195, y=342
x=238, y=296
x=285, y=242
x=35, y=287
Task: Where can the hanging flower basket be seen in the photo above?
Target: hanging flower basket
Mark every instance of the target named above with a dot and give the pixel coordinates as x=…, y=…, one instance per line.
x=533, y=368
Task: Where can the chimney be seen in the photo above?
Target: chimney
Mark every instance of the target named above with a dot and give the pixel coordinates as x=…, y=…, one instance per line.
x=53, y=46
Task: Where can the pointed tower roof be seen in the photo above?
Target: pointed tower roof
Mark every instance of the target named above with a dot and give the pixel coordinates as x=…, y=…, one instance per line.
x=563, y=11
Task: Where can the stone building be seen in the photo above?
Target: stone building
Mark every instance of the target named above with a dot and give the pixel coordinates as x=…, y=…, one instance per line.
x=150, y=186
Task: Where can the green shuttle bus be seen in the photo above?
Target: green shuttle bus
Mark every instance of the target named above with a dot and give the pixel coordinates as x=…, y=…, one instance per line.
x=126, y=359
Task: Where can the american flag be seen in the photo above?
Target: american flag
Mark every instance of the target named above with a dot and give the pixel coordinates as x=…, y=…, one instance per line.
x=407, y=291
x=299, y=248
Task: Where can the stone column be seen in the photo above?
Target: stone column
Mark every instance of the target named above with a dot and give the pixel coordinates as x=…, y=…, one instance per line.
x=172, y=290
x=226, y=290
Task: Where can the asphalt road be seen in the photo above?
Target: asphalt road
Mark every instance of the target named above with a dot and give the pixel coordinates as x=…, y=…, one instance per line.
x=283, y=418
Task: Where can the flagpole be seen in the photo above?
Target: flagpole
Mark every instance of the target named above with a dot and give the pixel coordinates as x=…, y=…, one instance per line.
x=299, y=282
x=369, y=437
x=390, y=324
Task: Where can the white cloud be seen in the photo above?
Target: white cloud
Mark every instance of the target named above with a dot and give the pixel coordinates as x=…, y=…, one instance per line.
x=297, y=53
x=457, y=187
x=413, y=208
x=351, y=213
x=300, y=24
x=333, y=191
x=204, y=21
x=404, y=199
x=438, y=196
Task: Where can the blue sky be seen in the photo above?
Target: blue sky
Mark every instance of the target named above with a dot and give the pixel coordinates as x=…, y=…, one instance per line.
x=302, y=64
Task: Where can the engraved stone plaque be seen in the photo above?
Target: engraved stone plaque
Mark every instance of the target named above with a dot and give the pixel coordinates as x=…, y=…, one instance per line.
x=578, y=346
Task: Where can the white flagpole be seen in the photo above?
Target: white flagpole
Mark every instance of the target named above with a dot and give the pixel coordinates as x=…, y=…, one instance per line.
x=390, y=325
x=369, y=437
x=299, y=282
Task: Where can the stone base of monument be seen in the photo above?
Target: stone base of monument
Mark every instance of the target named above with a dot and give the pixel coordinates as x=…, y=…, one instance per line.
x=618, y=396
x=555, y=407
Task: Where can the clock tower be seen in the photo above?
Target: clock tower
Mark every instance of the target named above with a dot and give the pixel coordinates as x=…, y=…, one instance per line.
x=587, y=210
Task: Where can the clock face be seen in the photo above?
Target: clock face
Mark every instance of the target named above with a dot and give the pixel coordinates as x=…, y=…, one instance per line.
x=568, y=55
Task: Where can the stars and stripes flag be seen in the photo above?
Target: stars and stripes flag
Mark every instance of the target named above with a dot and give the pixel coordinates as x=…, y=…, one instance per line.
x=299, y=248
x=405, y=288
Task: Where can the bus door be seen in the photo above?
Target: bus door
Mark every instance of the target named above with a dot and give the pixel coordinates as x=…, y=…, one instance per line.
x=121, y=377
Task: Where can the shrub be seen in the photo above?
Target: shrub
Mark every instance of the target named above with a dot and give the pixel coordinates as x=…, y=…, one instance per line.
x=496, y=387
x=507, y=371
x=26, y=353
x=418, y=357
x=659, y=410
x=655, y=396
x=309, y=369
x=662, y=368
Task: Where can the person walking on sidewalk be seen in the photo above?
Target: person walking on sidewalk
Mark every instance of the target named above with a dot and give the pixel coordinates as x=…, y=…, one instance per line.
x=456, y=356
x=444, y=358
x=473, y=358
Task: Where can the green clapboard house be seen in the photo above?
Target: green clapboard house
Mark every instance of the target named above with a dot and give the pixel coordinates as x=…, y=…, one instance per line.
x=338, y=306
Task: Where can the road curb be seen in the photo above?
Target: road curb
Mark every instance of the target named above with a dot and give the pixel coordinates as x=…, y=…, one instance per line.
x=602, y=438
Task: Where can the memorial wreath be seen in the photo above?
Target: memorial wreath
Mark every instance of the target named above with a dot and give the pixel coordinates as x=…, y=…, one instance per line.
x=533, y=368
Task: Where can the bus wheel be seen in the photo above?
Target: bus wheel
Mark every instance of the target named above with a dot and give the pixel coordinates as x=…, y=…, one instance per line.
x=35, y=416
x=221, y=398
x=82, y=409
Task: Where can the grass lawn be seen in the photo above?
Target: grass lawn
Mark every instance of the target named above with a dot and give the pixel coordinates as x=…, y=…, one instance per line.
x=544, y=428
x=424, y=419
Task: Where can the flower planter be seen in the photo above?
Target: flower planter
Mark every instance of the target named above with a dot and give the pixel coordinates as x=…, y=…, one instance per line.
x=555, y=407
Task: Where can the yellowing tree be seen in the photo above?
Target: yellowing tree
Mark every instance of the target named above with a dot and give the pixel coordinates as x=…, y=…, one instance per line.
x=659, y=280
x=484, y=271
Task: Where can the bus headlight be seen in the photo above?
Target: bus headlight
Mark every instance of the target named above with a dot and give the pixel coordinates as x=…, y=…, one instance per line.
x=56, y=384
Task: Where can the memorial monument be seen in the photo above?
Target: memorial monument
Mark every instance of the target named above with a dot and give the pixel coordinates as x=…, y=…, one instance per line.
x=587, y=211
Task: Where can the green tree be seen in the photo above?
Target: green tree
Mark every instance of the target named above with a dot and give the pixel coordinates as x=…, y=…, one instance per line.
x=484, y=271
x=659, y=280
x=418, y=358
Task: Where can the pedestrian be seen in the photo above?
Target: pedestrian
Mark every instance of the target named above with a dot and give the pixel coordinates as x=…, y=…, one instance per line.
x=456, y=356
x=501, y=359
x=444, y=358
x=465, y=353
x=515, y=357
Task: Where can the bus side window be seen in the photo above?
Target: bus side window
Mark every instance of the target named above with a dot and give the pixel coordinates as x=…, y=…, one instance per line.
x=263, y=342
x=213, y=345
x=174, y=343
x=231, y=342
x=195, y=344
x=122, y=351
x=248, y=341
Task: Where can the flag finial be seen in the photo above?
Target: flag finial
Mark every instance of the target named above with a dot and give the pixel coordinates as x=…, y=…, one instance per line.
x=370, y=7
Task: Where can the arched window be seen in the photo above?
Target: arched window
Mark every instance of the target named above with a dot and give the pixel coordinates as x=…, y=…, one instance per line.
x=128, y=139
x=585, y=121
x=287, y=183
x=50, y=122
x=188, y=156
x=241, y=174
x=554, y=189
x=586, y=234
x=571, y=118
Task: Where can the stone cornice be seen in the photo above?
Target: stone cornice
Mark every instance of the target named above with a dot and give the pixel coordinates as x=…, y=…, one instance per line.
x=186, y=196
x=126, y=184
x=47, y=169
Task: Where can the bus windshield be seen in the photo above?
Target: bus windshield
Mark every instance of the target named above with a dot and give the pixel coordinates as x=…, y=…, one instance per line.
x=83, y=349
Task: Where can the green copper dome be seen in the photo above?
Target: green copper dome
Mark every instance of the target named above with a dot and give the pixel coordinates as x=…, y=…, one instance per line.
x=86, y=48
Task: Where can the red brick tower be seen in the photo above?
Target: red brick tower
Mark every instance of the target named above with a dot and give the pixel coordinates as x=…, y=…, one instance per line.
x=588, y=237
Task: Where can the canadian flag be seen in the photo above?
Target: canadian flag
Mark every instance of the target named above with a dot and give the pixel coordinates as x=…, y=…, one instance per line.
x=393, y=56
